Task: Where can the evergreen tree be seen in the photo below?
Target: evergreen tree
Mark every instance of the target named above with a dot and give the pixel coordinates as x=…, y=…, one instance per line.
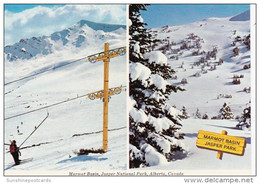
x=197, y=114
x=137, y=31
x=185, y=114
x=205, y=116
x=141, y=41
x=154, y=125
x=245, y=119
x=225, y=112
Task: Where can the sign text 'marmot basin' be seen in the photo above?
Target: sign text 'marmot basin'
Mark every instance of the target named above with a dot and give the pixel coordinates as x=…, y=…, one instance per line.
x=220, y=142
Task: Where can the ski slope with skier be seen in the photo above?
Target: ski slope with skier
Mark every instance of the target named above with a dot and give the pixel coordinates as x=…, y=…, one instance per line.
x=75, y=122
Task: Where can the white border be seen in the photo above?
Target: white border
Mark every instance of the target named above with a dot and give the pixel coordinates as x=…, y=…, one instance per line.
x=253, y=85
x=253, y=76
x=127, y=83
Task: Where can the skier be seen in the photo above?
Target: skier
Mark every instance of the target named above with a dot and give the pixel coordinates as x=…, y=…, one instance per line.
x=14, y=150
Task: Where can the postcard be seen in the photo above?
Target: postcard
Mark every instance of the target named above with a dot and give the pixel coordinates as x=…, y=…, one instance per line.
x=129, y=90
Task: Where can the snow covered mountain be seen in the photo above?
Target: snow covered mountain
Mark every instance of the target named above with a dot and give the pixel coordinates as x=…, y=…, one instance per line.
x=76, y=123
x=82, y=34
x=212, y=60
x=197, y=50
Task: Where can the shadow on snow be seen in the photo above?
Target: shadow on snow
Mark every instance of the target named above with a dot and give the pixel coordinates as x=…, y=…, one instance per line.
x=248, y=139
x=9, y=167
x=83, y=158
x=191, y=135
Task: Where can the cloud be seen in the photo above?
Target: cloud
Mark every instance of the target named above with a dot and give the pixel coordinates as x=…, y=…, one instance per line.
x=39, y=21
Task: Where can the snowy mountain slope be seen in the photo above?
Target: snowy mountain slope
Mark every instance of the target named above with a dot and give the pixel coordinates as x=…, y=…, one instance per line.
x=64, y=54
x=89, y=78
x=53, y=144
x=208, y=56
x=202, y=37
x=79, y=36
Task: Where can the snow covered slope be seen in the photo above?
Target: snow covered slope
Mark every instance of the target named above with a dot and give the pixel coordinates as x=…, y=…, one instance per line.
x=52, y=146
x=208, y=56
x=209, y=84
x=81, y=35
x=204, y=162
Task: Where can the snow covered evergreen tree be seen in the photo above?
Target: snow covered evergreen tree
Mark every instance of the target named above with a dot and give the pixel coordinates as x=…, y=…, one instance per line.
x=154, y=124
x=185, y=114
x=197, y=114
x=245, y=119
x=205, y=116
x=225, y=112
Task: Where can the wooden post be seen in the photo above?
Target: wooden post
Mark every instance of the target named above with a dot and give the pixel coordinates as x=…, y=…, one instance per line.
x=220, y=153
x=105, y=103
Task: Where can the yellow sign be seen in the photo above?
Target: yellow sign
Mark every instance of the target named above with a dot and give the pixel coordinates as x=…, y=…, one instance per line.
x=221, y=142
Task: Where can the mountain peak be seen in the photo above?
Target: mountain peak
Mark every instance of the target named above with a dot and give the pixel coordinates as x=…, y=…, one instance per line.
x=72, y=37
x=100, y=26
x=244, y=16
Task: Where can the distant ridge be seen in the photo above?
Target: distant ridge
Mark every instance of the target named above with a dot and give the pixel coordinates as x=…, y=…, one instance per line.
x=100, y=26
x=82, y=33
x=244, y=16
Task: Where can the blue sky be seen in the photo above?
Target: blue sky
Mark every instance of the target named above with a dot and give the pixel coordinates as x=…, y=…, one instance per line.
x=28, y=20
x=21, y=7
x=158, y=15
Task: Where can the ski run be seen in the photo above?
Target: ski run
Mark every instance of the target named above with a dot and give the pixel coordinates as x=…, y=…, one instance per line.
x=53, y=145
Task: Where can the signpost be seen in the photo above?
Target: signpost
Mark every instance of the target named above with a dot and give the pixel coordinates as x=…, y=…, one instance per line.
x=221, y=143
x=105, y=57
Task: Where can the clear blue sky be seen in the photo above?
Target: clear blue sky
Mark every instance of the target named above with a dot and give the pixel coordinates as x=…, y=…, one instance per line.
x=158, y=15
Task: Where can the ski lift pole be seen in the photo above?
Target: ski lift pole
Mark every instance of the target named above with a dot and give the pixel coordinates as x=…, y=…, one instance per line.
x=105, y=103
x=34, y=130
x=105, y=56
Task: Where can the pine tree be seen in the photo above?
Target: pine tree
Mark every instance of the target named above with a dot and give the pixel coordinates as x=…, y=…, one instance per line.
x=225, y=112
x=197, y=114
x=185, y=114
x=245, y=119
x=137, y=31
x=154, y=124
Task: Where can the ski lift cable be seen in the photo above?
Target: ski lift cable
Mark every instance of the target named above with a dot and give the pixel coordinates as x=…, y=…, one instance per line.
x=35, y=130
x=58, y=103
x=74, y=61
x=23, y=78
x=51, y=105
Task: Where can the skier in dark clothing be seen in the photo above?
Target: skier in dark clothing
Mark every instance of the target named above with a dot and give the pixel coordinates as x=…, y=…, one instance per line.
x=14, y=150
